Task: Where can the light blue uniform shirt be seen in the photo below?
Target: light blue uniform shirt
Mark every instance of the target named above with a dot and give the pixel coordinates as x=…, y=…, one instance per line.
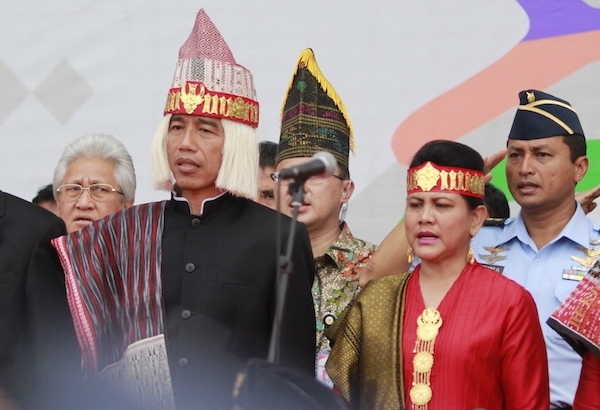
x=549, y=274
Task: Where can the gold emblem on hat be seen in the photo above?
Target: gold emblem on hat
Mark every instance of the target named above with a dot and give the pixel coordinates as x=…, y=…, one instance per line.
x=494, y=255
x=530, y=96
x=591, y=255
x=427, y=177
x=191, y=99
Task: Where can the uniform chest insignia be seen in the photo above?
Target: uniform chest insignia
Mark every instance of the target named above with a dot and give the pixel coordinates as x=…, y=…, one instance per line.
x=494, y=254
x=573, y=274
x=594, y=241
x=591, y=254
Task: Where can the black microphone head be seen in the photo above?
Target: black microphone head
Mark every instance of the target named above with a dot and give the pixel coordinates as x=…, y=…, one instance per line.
x=329, y=160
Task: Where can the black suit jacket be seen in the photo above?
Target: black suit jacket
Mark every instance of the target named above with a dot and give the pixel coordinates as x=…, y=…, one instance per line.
x=37, y=338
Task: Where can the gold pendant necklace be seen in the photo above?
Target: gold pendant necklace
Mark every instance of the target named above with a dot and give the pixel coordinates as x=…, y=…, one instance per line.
x=428, y=325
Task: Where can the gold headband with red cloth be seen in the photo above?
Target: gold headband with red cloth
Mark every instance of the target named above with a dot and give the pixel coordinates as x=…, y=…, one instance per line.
x=195, y=98
x=429, y=177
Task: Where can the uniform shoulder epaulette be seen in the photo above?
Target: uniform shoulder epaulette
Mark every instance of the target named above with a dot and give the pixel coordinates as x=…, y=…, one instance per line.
x=495, y=222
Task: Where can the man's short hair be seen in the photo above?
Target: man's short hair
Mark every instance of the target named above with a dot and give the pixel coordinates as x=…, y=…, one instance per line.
x=268, y=152
x=577, y=146
x=343, y=173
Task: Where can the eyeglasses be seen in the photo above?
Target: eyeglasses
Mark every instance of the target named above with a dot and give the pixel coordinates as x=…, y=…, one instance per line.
x=315, y=180
x=98, y=192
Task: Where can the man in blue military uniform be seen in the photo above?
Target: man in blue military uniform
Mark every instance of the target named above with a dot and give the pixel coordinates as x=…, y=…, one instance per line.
x=551, y=244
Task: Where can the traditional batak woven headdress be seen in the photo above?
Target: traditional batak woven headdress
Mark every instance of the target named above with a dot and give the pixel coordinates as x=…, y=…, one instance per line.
x=429, y=177
x=208, y=82
x=541, y=115
x=314, y=117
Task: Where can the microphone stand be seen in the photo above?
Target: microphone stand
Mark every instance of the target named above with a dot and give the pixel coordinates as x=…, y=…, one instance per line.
x=285, y=265
x=268, y=384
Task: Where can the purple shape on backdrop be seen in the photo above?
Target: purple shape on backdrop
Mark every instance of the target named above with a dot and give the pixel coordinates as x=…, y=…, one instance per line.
x=552, y=18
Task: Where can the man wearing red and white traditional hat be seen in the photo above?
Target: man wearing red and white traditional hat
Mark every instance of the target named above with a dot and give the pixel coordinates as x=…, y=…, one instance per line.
x=182, y=292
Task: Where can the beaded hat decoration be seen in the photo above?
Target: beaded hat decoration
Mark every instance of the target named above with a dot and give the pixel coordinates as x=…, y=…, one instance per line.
x=314, y=117
x=208, y=81
x=429, y=177
x=541, y=115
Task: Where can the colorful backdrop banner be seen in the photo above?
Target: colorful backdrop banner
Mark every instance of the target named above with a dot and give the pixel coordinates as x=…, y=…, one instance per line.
x=409, y=72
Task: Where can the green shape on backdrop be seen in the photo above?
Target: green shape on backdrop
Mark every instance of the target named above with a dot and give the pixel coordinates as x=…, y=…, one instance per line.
x=591, y=179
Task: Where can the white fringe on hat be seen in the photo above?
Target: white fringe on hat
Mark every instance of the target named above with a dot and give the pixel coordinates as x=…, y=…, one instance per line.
x=239, y=168
x=238, y=173
x=162, y=176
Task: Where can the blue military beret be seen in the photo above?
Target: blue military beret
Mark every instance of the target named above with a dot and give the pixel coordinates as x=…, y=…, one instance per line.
x=541, y=115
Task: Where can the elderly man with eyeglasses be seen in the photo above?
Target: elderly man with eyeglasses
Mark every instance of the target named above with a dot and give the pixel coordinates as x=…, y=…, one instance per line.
x=94, y=178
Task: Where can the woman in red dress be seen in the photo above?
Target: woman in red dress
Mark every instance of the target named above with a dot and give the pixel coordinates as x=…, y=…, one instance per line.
x=452, y=334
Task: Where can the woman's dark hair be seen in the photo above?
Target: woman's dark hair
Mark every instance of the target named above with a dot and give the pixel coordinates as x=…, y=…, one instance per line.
x=451, y=154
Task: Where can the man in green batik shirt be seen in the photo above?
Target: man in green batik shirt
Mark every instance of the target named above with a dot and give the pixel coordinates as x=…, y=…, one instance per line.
x=314, y=119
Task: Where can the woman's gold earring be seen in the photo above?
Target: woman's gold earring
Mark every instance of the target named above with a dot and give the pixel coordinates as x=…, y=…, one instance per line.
x=470, y=256
x=410, y=254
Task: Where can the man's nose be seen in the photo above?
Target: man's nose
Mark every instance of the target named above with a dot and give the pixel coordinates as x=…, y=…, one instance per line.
x=85, y=199
x=526, y=166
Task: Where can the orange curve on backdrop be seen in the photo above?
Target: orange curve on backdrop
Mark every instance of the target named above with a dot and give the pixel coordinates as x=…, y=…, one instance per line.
x=531, y=64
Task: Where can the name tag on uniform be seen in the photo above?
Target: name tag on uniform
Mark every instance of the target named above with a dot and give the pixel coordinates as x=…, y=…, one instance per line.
x=497, y=268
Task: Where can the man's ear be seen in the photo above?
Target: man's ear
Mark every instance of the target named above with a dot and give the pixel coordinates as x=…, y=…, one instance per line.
x=581, y=167
x=347, y=190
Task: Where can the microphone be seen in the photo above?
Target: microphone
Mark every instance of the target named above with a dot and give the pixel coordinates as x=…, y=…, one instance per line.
x=322, y=163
